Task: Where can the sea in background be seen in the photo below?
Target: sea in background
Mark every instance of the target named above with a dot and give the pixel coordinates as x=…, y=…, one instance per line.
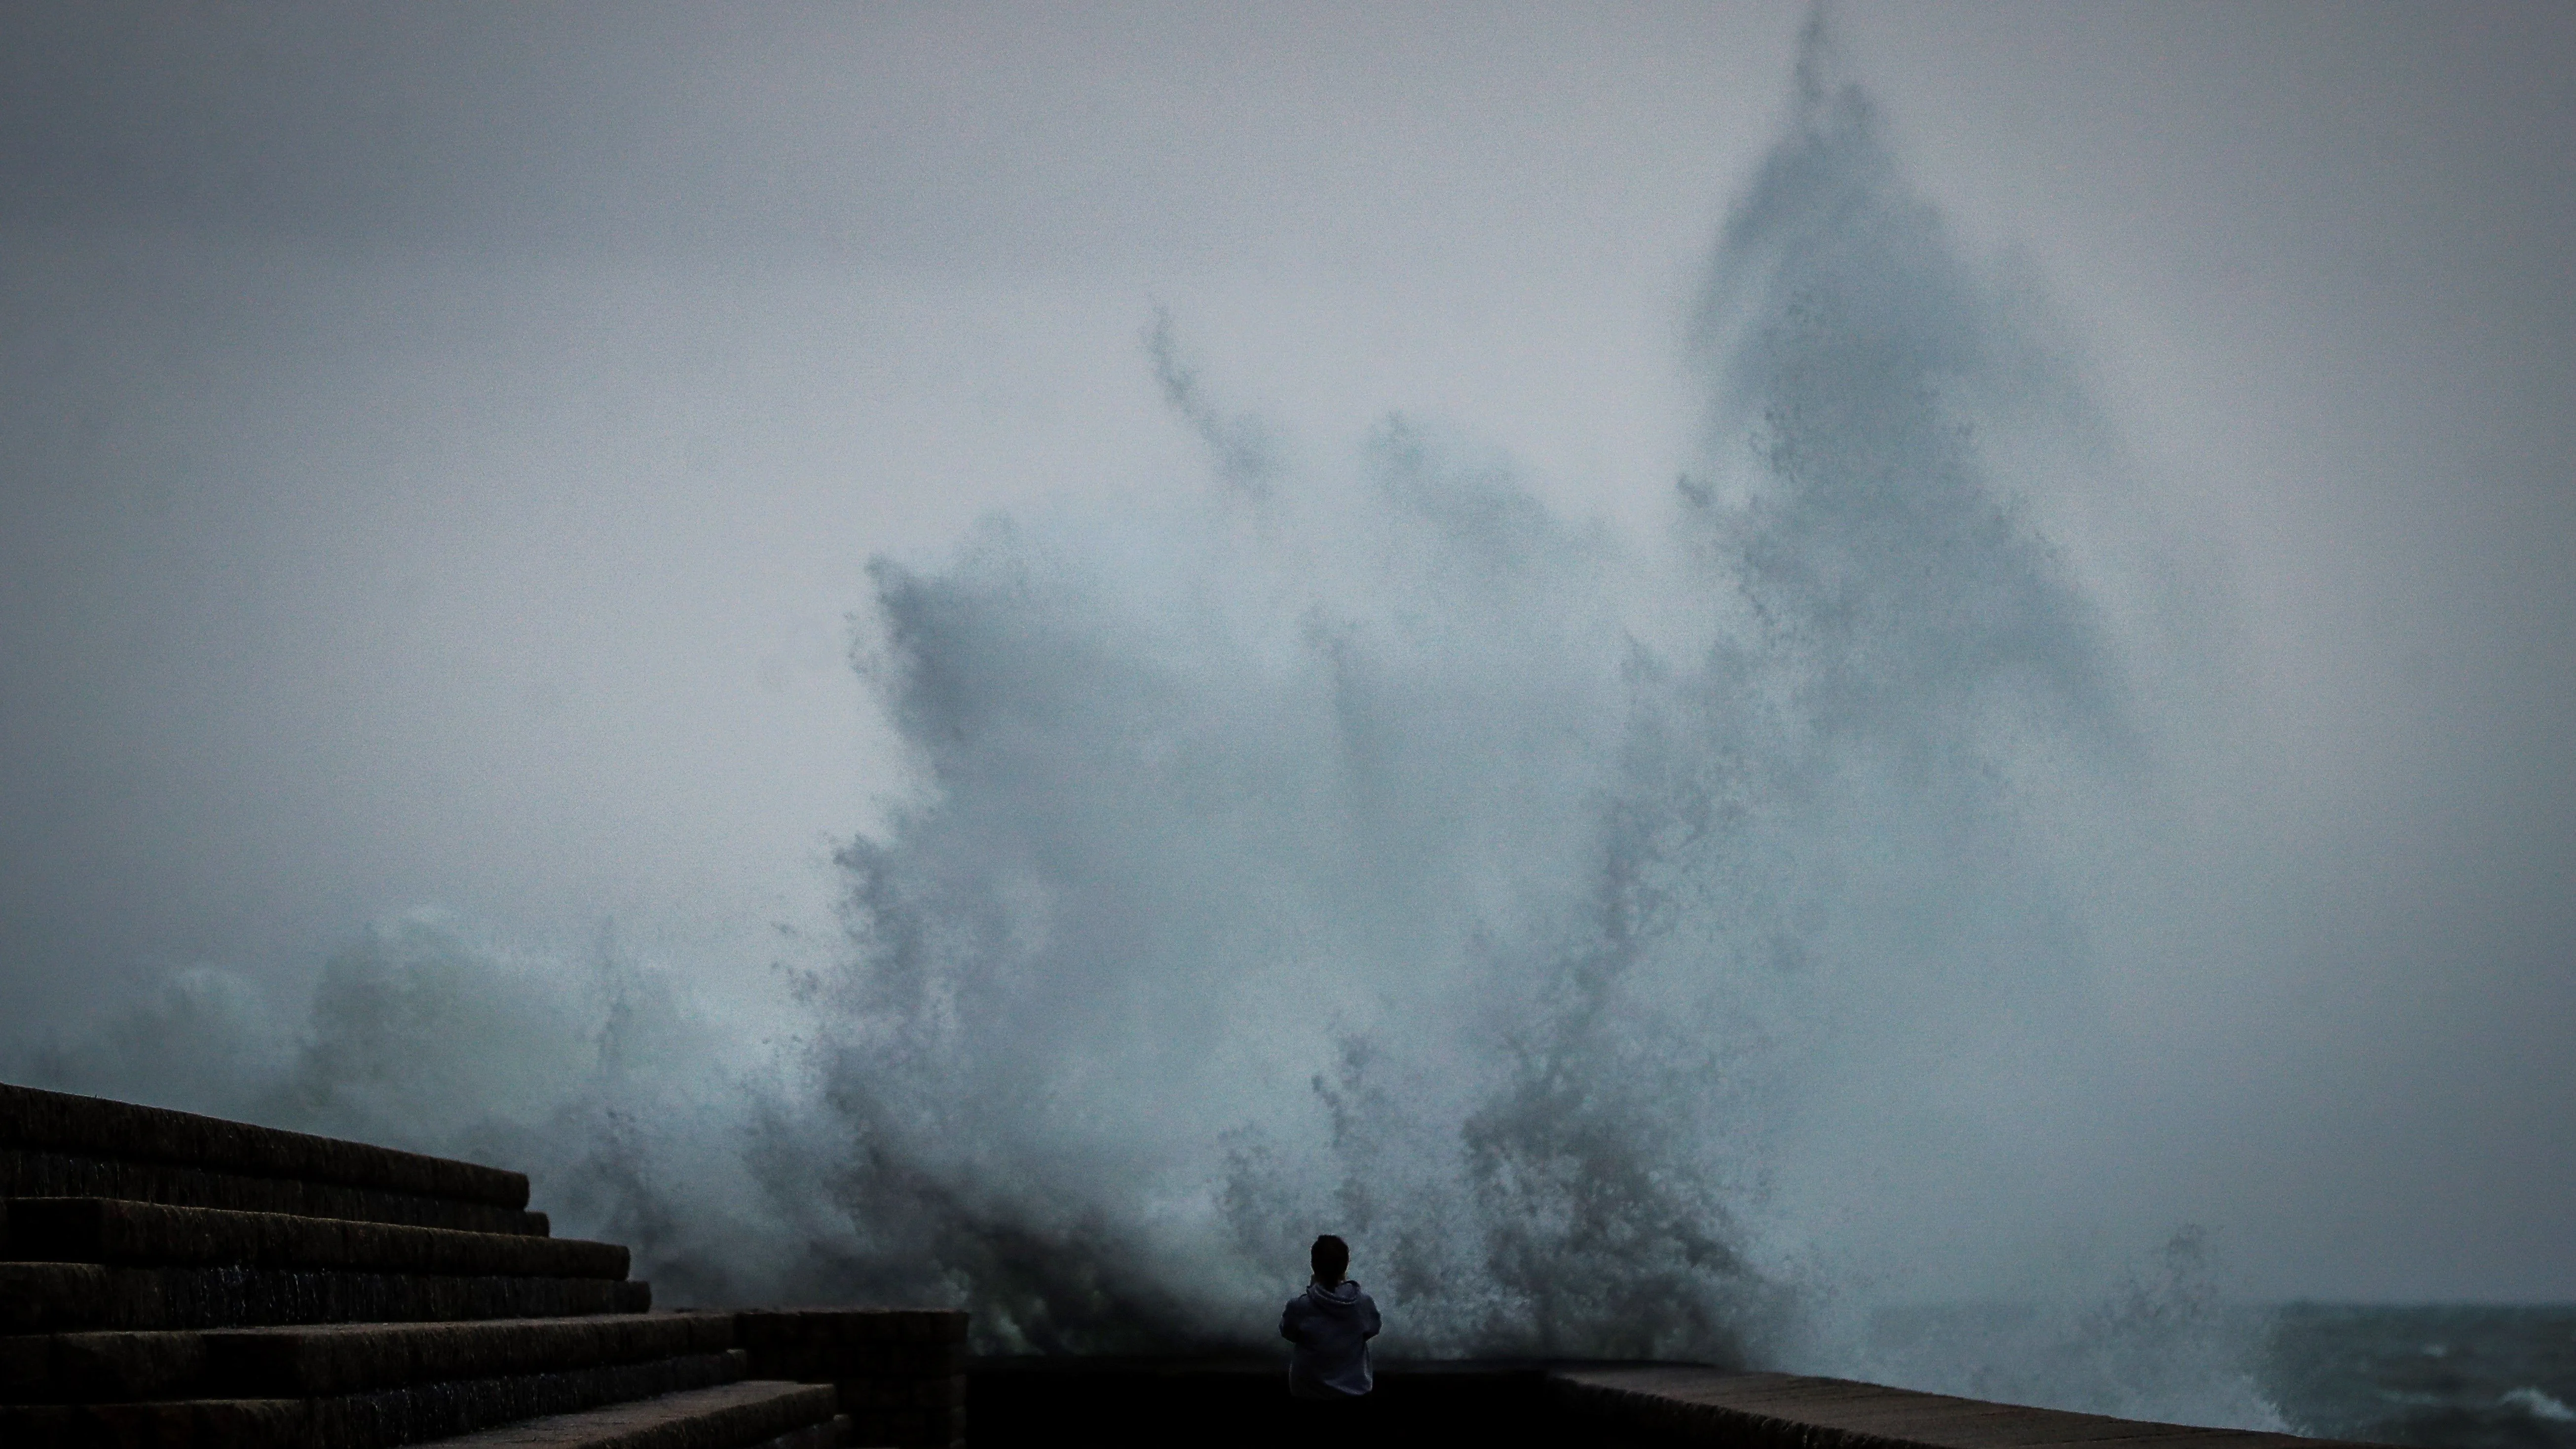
x=2445, y=1376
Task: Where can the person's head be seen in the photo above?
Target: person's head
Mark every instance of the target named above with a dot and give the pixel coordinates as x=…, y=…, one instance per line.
x=1332, y=1258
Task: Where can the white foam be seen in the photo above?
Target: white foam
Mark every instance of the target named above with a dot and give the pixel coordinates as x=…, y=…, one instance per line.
x=2538, y=1404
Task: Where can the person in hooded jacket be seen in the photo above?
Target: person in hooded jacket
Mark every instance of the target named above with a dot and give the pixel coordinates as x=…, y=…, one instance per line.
x=1330, y=1324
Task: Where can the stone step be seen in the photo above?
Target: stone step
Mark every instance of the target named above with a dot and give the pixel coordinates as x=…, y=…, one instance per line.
x=70, y=1297
x=758, y=1414
x=35, y=1172
x=326, y=1361
x=96, y=1126
x=111, y=1231
x=380, y=1420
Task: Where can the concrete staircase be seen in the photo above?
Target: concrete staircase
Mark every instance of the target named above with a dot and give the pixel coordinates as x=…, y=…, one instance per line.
x=181, y=1282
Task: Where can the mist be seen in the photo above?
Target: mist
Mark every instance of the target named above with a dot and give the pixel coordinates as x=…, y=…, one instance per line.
x=1939, y=748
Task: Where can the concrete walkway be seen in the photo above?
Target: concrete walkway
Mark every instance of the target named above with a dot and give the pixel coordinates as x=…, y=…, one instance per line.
x=1680, y=1404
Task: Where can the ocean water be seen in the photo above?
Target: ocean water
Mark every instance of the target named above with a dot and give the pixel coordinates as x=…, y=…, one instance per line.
x=2449, y=1376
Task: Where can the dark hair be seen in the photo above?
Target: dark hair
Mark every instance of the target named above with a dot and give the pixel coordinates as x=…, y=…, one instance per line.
x=1331, y=1257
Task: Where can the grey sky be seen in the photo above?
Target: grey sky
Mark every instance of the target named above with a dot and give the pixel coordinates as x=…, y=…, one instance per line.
x=443, y=445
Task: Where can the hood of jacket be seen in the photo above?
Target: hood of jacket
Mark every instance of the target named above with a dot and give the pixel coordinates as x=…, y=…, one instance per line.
x=1342, y=1297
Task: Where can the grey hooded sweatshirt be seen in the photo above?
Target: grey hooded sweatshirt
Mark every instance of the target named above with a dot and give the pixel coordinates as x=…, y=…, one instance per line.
x=1331, y=1328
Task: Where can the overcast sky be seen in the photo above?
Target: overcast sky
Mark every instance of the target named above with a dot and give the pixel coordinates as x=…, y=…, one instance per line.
x=443, y=447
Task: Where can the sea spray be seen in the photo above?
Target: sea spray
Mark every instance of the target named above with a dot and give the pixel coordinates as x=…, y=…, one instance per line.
x=1353, y=852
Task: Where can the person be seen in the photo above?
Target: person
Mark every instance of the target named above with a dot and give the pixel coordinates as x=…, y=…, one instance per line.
x=1330, y=1325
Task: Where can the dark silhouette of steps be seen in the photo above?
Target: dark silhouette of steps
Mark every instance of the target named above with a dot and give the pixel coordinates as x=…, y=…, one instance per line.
x=338, y=1360
x=71, y=1127
x=33, y=1172
x=65, y=1297
x=116, y=1233
x=184, y=1282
